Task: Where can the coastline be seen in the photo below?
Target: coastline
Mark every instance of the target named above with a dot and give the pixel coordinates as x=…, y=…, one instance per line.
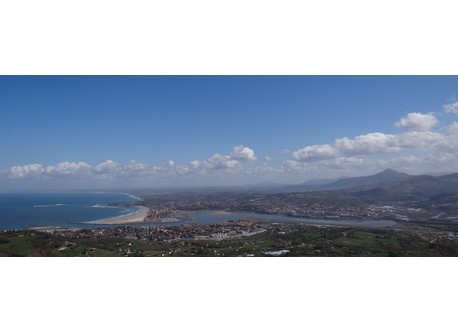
x=136, y=217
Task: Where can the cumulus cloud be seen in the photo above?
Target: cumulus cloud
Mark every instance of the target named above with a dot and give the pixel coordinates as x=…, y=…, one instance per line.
x=241, y=153
x=418, y=121
x=68, y=169
x=82, y=170
x=451, y=108
x=425, y=140
x=372, y=143
x=357, y=166
x=26, y=171
x=315, y=152
x=107, y=166
x=453, y=129
x=133, y=169
x=417, y=137
x=191, y=167
x=419, y=148
x=218, y=162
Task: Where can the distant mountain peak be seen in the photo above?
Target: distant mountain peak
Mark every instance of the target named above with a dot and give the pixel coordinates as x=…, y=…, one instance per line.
x=387, y=175
x=389, y=171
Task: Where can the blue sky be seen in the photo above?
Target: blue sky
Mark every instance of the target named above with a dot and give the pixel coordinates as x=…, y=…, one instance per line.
x=154, y=120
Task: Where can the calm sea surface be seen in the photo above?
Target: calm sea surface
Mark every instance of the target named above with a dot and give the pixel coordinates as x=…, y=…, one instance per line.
x=28, y=210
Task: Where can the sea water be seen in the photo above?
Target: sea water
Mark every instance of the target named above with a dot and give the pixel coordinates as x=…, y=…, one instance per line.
x=67, y=210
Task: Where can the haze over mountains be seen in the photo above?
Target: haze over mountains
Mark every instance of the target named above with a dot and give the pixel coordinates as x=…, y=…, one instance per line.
x=388, y=182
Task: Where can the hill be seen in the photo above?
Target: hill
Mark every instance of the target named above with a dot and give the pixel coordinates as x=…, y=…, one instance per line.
x=389, y=175
x=453, y=176
x=422, y=186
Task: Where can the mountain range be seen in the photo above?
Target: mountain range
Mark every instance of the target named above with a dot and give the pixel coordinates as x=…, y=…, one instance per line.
x=388, y=182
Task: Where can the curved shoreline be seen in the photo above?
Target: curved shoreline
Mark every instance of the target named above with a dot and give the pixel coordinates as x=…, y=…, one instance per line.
x=136, y=217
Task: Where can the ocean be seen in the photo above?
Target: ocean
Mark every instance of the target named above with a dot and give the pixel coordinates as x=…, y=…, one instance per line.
x=67, y=210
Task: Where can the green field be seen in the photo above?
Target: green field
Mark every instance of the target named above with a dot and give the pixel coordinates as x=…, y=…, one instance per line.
x=302, y=241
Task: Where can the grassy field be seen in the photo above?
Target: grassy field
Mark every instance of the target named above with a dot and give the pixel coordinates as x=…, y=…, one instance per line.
x=305, y=241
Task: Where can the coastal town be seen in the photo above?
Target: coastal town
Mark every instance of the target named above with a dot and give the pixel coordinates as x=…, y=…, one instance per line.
x=230, y=223
x=245, y=238
x=252, y=224
x=162, y=233
x=332, y=206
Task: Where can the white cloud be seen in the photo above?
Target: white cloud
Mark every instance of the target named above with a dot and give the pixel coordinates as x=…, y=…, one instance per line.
x=315, y=152
x=291, y=166
x=190, y=168
x=133, y=169
x=451, y=108
x=418, y=149
x=347, y=163
x=418, y=121
x=418, y=137
x=82, y=170
x=424, y=140
x=452, y=130
x=372, y=143
x=241, y=153
x=217, y=166
x=219, y=163
x=358, y=165
x=26, y=171
x=107, y=166
x=68, y=169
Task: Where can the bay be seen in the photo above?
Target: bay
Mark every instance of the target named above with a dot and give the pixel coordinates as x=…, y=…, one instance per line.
x=70, y=209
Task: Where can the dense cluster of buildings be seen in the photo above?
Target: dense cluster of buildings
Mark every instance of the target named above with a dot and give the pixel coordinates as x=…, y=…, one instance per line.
x=308, y=206
x=164, y=215
x=219, y=231
x=180, y=209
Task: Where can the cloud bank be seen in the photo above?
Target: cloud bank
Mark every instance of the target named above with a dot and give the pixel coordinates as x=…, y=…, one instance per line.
x=417, y=145
x=108, y=170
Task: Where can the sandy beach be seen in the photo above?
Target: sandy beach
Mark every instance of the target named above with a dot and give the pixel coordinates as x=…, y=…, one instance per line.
x=136, y=217
x=220, y=212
